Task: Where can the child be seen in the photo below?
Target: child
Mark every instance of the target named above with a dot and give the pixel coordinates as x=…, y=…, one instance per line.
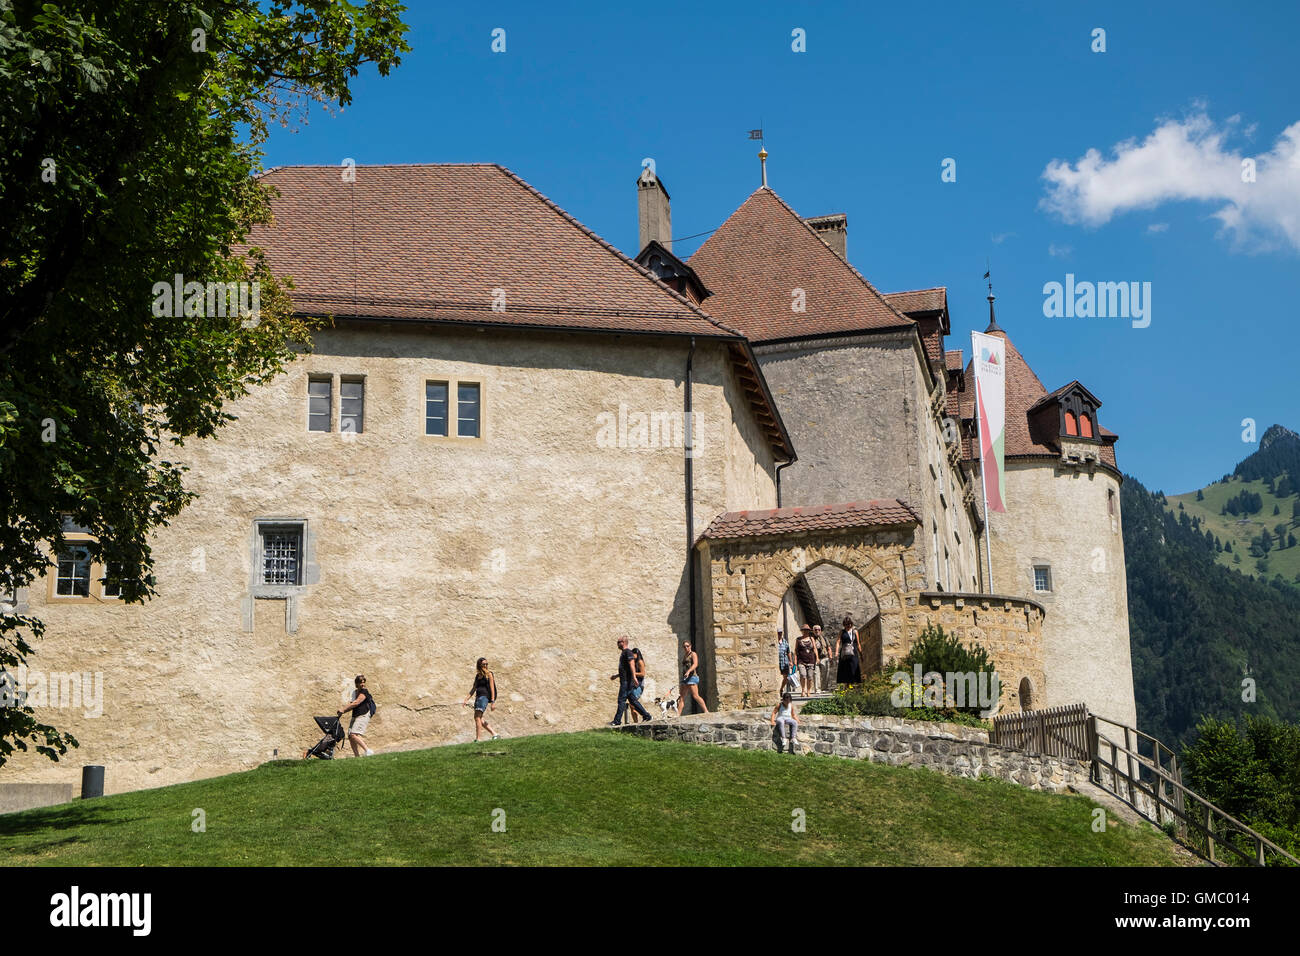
x=783, y=717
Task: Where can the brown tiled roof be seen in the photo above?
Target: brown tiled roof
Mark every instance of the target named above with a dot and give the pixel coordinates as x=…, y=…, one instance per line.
x=952, y=359
x=433, y=241
x=919, y=300
x=756, y=259
x=1023, y=392
x=884, y=513
x=429, y=243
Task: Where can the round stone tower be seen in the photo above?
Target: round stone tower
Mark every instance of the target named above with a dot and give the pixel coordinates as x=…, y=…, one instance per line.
x=1059, y=541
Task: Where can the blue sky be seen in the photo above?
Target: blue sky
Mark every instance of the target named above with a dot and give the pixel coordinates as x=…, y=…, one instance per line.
x=861, y=122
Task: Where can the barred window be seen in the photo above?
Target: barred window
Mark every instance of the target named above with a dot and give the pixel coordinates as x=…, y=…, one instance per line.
x=435, y=408
x=281, y=554
x=73, y=575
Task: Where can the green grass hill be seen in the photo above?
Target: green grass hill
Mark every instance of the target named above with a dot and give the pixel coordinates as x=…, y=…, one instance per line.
x=594, y=798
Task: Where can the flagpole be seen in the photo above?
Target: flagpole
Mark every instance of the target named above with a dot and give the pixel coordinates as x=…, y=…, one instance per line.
x=984, y=484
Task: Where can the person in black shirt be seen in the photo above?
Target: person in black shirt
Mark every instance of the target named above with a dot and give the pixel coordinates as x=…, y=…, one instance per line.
x=362, y=706
x=484, y=695
x=627, y=682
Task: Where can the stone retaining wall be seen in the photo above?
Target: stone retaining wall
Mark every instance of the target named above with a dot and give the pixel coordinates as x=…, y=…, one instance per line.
x=948, y=748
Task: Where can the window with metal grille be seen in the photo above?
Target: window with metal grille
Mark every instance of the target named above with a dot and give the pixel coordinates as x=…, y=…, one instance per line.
x=467, y=415
x=73, y=575
x=352, y=400
x=281, y=554
x=1042, y=577
x=319, y=403
x=435, y=408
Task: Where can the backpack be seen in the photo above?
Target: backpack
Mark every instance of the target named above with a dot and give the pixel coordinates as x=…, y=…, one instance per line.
x=370, y=699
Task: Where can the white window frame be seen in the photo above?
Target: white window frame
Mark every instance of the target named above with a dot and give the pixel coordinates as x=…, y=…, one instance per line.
x=1047, y=573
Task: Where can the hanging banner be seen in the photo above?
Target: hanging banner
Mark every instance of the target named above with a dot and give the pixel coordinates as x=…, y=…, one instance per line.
x=990, y=361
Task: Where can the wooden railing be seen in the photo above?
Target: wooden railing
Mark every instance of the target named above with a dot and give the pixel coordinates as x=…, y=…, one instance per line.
x=1057, y=732
x=1143, y=773
x=1154, y=788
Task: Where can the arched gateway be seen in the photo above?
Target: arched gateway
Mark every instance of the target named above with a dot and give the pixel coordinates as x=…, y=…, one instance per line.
x=751, y=558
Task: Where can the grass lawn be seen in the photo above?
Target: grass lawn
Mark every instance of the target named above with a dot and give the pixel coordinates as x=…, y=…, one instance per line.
x=594, y=798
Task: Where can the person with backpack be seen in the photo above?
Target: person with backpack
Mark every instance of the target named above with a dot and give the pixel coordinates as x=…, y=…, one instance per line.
x=484, y=695
x=363, y=708
x=638, y=672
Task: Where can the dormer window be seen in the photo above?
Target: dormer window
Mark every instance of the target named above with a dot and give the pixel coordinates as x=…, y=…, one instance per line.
x=1085, y=426
x=1071, y=427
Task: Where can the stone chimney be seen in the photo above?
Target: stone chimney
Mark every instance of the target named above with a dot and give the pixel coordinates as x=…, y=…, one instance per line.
x=653, y=213
x=833, y=230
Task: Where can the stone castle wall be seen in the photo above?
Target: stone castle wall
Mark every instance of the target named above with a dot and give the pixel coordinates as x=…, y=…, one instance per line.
x=534, y=546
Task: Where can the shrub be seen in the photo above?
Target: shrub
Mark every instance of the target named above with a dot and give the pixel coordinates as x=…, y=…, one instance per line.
x=945, y=654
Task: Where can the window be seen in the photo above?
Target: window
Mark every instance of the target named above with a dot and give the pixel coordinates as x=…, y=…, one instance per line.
x=1085, y=426
x=435, y=408
x=112, y=580
x=72, y=579
x=467, y=414
x=1110, y=502
x=320, y=404
x=1071, y=428
x=352, y=400
x=281, y=558
x=1042, y=578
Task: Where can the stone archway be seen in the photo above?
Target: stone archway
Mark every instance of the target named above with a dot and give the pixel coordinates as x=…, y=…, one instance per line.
x=751, y=558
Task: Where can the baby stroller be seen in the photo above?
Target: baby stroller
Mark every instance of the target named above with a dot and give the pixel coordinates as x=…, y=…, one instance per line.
x=333, y=728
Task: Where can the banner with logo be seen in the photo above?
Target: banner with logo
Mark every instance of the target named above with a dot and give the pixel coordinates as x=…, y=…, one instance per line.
x=990, y=361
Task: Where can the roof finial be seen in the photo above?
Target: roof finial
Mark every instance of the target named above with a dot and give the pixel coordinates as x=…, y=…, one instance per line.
x=762, y=159
x=993, y=322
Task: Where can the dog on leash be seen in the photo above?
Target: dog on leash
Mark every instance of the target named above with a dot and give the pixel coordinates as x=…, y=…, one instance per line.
x=668, y=706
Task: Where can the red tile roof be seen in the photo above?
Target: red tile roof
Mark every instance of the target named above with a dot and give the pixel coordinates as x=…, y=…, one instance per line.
x=919, y=300
x=952, y=359
x=1023, y=392
x=756, y=259
x=433, y=241
x=430, y=243
x=884, y=513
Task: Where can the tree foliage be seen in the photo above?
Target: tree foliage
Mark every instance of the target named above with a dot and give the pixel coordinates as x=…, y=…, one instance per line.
x=130, y=137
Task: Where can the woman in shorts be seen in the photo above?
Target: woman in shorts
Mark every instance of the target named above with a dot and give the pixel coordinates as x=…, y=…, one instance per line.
x=361, y=707
x=691, y=679
x=484, y=695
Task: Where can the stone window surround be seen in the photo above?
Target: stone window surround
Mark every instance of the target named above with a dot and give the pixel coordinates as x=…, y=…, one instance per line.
x=336, y=380
x=97, y=573
x=291, y=594
x=1047, y=573
x=453, y=383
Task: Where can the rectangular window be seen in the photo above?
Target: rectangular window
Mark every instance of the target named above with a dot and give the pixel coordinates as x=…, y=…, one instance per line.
x=467, y=414
x=320, y=405
x=112, y=581
x=352, y=400
x=435, y=408
x=8, y=597
x=281, y=553
x=73, y=576
x=1042, y=578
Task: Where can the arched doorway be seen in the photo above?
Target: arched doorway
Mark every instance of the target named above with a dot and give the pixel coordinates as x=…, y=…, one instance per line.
x=753, y=559
x=824, y=595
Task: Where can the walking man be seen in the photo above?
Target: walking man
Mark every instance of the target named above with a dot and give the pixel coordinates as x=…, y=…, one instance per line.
x=823, y=658
x=627, y=683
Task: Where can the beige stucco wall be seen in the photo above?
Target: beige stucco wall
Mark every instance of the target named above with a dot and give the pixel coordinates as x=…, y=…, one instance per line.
x=1059, y=517
x=534, y=547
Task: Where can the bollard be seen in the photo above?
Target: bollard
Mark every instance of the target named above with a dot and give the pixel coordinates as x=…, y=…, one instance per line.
x=92, y=782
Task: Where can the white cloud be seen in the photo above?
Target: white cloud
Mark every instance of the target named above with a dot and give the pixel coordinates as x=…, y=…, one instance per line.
x=1158, y=227
x=1059, y=252
x=1001, y=237
x=1186, y=160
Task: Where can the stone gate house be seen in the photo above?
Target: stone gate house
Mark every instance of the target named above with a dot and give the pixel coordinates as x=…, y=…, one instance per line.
x=514, y=442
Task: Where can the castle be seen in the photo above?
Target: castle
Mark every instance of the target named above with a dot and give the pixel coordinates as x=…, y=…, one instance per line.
x=516, y=442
